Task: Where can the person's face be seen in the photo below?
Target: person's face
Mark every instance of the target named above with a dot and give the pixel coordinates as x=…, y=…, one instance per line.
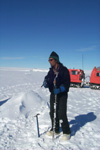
x=52, y=62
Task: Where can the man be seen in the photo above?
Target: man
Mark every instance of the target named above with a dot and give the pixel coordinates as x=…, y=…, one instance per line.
x=62, y=87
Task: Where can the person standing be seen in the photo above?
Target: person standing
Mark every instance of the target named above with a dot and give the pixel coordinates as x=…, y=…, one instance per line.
x=62, y=87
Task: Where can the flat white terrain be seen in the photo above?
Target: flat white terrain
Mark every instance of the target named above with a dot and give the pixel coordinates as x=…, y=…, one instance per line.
x=22, y=97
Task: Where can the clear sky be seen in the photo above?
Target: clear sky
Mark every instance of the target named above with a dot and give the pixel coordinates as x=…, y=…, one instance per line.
x=31, y=29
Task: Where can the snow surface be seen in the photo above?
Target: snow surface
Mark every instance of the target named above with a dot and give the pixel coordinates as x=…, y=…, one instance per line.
x=22, y=97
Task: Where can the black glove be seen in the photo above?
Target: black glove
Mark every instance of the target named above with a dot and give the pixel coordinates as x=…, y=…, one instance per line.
x=45, y=83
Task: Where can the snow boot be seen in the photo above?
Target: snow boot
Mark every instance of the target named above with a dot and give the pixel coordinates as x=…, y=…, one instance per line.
x=65, y=137
x=50, y=133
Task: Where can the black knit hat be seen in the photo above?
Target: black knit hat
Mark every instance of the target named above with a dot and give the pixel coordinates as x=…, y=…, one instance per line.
x=55, y=56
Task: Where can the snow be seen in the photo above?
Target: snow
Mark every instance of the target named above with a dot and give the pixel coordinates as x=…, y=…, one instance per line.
x=21, y=104
x=22, y=97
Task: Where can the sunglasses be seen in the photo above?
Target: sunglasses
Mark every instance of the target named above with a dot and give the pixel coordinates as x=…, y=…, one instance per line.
x=51, y=59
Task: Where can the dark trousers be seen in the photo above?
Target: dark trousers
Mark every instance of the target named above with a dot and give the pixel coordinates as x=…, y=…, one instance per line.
x=61, y=109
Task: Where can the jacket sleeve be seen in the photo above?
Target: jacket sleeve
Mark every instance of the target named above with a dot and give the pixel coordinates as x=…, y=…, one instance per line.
x=66, y=79
x=48, y=78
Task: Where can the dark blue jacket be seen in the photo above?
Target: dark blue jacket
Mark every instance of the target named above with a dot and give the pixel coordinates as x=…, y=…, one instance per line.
x=62, y=79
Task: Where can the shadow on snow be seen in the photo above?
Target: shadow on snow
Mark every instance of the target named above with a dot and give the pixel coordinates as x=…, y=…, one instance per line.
x=2, y=102
x=80, y=121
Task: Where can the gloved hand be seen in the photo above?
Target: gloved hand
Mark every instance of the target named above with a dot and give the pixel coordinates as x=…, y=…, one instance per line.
x=62, y=88
x=59, y=90
x=45, y=83
x=56, y=91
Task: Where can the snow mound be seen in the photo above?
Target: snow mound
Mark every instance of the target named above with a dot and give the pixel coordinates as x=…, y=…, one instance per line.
x=21, y=104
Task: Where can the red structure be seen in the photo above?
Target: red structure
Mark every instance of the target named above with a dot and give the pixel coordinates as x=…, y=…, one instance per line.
x=77, y=77
x=95, y=78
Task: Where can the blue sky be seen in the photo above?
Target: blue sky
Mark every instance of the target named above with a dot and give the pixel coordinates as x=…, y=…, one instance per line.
x=31, y=29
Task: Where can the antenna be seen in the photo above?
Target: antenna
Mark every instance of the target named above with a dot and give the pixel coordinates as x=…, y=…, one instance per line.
x=82, y=62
